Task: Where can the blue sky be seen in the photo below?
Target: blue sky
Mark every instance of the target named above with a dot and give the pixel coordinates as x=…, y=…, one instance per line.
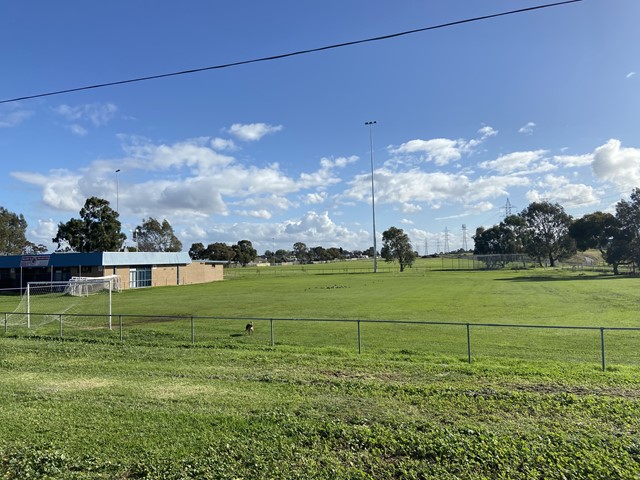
x=540, y=105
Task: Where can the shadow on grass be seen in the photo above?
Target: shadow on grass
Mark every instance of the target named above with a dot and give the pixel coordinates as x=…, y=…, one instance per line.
x=563, y=278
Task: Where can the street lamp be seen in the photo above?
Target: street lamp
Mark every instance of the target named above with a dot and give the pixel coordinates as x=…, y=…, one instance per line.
x=135, y=234
x=373, y=198
x=117, y=191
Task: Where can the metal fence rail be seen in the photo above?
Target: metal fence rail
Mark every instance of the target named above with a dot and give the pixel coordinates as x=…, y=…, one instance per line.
x=116, y=322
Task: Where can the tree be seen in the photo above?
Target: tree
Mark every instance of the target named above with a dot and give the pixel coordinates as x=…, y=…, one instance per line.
x=13, y=229
x=97, y=229
x=504, y=238
x=220, y=251
x=594, y=230
x=627, y=238
x=283, y=255
x=153, y=236
x=197, y=251
x=369, y=252
x=301, y=252
x=319, y=254
x=396, y=246
x=32, y=249
x=245, y=253
x=547, y=232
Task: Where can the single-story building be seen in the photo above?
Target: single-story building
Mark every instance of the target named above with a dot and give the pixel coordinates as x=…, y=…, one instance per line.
x=136, y=269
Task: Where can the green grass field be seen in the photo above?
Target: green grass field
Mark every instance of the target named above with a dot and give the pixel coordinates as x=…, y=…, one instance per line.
x=533, y=404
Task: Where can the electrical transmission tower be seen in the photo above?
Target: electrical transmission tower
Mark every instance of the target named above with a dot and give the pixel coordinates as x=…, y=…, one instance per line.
x=446, y=240
x=426, y=248
x=508, y=208
x=464, y=237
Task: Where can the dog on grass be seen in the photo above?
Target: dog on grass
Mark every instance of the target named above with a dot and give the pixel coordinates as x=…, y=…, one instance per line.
x=249, y=328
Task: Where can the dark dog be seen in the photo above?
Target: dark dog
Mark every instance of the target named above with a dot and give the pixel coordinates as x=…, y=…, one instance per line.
x=249, y=328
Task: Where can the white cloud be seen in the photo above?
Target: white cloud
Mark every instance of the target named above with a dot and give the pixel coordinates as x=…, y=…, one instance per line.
x=44, y=231
x=410, y=208
x=98, y=114
x=187, y=178
x=78, y=129
x=60, y=189
x=559, y=189
x=441, y=151
x=574, y=160
x=414, y=186
x=487, y=132
x=321, y=230
x=262, y=213
x=14, y=118
x=252, y=132
x=315, y=198
x=631, y=74
x=527, y=129
x=514, y=162
x=223, y=144
x=406, y=221
x=618, y=165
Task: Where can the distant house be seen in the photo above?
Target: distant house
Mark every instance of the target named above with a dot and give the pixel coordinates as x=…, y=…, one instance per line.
x=136, y=269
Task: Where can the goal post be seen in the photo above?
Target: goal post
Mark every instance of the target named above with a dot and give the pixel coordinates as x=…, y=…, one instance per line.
x=50, y=300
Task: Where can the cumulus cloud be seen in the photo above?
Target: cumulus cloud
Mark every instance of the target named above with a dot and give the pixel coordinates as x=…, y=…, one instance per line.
x=514, y=162
x=617, y=164
x=487, y=132
x=574, y=160
x=442, y=151
x=252, y=132
x=527, y=129
x=262, y=213
x=410, y=208
x=415, y=186
x=315, y=198
x=321, y=230
x=187, y=179
x=223, y=144
x=559, y=189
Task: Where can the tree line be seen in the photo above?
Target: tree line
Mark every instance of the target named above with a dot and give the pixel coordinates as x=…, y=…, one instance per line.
x=548, y=234
x=543, y=230
x=97, y=230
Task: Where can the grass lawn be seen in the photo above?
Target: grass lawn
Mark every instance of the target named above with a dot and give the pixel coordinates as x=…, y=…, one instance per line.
x=533, y=404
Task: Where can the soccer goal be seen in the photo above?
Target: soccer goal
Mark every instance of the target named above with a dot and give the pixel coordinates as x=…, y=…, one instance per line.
x=86, y=299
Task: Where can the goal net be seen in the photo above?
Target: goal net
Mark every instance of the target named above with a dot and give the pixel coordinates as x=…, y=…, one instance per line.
x=80, y=302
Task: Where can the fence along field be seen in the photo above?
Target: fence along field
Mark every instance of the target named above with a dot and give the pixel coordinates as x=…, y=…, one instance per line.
x=215, y=314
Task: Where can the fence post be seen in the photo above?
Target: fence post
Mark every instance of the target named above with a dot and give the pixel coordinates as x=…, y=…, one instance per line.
x=273, y=343
x=469, y=343
x=359, y=339
x=602, y=347
x=60, y=320
x=193, y=331
x=120, y=321
x=5, y=322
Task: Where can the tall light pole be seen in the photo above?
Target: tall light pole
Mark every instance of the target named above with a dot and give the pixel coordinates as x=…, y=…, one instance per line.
x=117, y=191
x=373, y=198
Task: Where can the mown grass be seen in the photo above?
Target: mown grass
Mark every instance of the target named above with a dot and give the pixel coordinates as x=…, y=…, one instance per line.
x=78, y=410
x=529, y=297
x=533, y=404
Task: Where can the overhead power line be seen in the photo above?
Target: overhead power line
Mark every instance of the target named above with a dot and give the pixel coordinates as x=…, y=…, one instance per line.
x=290, y=54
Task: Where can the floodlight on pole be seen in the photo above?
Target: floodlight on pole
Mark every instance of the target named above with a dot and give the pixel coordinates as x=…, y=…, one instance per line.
x=117, y=191
x=373, y=198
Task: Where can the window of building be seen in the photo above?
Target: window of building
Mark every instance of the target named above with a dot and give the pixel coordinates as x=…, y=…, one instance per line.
x=140, y=276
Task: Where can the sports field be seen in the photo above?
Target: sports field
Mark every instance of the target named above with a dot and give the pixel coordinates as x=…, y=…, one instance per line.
x=533, y=404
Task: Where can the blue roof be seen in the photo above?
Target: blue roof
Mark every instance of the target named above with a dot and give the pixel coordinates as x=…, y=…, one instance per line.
x=95, y=259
